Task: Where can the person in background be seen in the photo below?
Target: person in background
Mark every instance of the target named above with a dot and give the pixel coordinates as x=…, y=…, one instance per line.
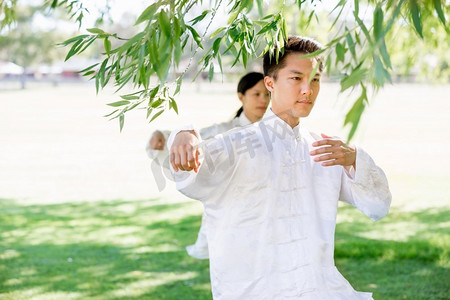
x=254, y=97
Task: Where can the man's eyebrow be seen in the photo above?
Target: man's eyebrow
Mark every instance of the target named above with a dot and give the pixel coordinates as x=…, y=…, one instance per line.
x=300, y=73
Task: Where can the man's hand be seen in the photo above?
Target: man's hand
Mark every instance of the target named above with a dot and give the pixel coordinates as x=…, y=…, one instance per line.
x=157, y=141
x=333, y=152
x=184, y=151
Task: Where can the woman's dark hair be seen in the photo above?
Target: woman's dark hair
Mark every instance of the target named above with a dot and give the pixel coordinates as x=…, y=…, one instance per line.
x=247, y=82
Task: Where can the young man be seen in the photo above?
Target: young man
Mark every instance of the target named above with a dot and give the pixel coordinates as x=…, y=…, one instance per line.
x=271, y=192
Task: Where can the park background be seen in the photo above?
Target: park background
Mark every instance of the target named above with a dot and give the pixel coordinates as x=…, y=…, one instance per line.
x=82, y=217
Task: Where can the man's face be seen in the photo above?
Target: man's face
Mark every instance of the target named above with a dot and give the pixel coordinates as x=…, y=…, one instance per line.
x=293, y=97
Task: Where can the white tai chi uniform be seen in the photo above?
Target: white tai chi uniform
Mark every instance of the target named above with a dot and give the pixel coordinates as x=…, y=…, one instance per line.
x=271, y=212
x=200, y=248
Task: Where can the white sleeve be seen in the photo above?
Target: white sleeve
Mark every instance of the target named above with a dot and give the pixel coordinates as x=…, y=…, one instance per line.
x=367, y=188
x=215, y=169
x=161, y=155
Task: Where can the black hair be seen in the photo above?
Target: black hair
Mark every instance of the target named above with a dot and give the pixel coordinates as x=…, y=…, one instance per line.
x=292, y=45
x=247, y=82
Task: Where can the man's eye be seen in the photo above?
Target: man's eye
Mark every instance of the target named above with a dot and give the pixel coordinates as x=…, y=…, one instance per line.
x=296, y=78
x=316, y=79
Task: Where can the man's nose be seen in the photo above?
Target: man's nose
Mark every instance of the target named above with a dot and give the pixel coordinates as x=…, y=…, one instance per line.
x=306, y=88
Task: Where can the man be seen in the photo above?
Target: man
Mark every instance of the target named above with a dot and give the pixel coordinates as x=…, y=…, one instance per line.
x=271, y=198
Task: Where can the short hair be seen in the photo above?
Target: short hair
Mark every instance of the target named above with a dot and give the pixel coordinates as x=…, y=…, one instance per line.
x=292, y=45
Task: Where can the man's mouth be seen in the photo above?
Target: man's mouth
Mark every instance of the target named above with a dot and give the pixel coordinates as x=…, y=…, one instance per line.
x=304, y=102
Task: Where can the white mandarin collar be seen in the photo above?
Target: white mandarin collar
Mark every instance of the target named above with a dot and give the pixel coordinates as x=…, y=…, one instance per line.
x=243, y=120
x=281, y=128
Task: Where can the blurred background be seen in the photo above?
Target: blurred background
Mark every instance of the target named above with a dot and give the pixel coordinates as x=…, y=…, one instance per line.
x=81, y=214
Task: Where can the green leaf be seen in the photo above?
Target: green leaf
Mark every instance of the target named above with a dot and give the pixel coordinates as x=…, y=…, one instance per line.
x=216, y=45
x=384, y=54
x=270, y=26
x=219, y=60
x=147, y=14
x=157, y=102
x=130, y=42
x=377, y=22
x=259, y=3
x=89, y=68
x=364, y=29
x=121, y=121
x=173, y=105
x=164, y=21
x=415, y=14
x=354, y=78
x=130, y=97
x=328, y=65
x=74, y=39
x=439, y=11
x=177, y=51
x=110, y=114
x=154, y=91
x=351, y=44
x=219, y=30
x=233, y=16
x=314, y=54
x=149, y=112
x=200, y=17
x=356, y=5
x=119, y=103
x=107, y=44
x=211, y=72
x=88, y=73
x=195, y=36
x=354, y=115
x=74, y=49
x=284, y=29
x=156, y=115
x=378, y=71
x=162, y=68
x=95, y=30
x=179, y=82
x=340, y=52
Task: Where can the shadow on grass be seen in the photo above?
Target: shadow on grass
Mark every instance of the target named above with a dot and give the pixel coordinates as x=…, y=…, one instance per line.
x=104, y=250
x=135, y=250
x=407, y=258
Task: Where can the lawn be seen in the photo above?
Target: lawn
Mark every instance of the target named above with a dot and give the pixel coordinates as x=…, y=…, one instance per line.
x=135, y=250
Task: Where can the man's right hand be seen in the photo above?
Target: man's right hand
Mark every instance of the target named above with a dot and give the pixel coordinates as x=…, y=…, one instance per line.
x=184, y=152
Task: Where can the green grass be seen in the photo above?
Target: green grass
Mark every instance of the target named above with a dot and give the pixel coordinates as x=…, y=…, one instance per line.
x=135, y=250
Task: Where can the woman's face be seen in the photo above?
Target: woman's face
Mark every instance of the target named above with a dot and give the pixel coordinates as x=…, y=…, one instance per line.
x=255, y=101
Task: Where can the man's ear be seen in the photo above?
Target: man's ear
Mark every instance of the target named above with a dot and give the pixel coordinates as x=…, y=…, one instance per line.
x=268, y=82
x=241, y=97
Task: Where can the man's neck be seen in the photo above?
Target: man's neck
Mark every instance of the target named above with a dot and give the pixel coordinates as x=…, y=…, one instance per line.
x=287, y=117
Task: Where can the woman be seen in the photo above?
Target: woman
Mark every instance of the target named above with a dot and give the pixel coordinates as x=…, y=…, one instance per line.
x=255, y=100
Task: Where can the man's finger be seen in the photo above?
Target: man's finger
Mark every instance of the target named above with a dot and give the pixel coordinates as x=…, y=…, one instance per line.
x=329, y=149
x=172, y=162
x=191, y=159
x=324, y=142
x=184, y=165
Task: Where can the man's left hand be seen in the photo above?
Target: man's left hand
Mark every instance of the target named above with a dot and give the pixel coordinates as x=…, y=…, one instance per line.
x=333, y=152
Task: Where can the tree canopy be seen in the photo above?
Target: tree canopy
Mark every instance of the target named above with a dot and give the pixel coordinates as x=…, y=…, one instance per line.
x=365, y=42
